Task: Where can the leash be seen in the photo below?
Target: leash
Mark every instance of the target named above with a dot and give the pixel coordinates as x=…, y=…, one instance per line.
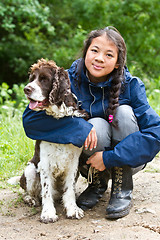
x=91, y=171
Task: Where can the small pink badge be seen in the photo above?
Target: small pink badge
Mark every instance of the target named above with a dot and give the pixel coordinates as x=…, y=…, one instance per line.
x=110, y=118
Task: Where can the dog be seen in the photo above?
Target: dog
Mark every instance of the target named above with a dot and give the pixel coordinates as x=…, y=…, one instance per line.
x=53, y=166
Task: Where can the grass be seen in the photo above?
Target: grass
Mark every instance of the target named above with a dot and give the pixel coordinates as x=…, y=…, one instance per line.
x=15, y=148
x=153, y=166
x=154, y=100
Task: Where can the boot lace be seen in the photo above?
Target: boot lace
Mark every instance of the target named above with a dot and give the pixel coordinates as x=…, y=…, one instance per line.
x=117, y=186
x=92, y=175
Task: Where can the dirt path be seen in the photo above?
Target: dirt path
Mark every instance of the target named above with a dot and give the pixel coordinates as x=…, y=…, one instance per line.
x=20, y=222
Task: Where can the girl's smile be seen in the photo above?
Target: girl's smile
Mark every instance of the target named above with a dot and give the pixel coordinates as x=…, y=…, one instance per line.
x=97, y=67
x=101, y=58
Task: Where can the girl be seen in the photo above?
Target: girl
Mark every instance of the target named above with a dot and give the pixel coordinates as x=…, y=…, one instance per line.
x=123, y=132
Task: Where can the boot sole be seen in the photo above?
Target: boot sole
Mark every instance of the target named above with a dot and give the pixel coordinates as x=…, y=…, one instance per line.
x=121, y=214
x=86, y=206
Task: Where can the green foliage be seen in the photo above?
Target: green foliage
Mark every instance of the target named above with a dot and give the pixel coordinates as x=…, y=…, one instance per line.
x=5, y=93
x=15, y=148
x=154, y=100
x=153, y=93
x=12, y=99
x=31, y=29
x=25, y=31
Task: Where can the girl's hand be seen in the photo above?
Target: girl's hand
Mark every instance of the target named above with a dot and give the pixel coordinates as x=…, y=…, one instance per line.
x=96, y=161
x=91, y=140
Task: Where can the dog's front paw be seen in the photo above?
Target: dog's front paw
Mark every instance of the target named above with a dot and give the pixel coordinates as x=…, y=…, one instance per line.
x=75, y=212
x=48, y=216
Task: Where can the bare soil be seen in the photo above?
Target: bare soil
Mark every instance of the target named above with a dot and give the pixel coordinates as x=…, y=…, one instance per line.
x=20, y=222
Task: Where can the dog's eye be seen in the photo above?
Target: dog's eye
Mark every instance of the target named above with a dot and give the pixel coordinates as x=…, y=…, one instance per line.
x=43, y=79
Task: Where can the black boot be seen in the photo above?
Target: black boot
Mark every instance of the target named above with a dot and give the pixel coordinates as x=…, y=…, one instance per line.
x=121, y=193
x=90, y=197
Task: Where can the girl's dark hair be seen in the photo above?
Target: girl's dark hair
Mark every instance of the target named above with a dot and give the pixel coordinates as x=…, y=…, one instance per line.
x=117, y=74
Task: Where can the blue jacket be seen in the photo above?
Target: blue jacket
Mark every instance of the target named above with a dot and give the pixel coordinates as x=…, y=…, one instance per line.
x=135, y=150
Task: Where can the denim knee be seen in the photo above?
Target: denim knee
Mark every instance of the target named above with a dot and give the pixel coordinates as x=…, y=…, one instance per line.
x=127, y=123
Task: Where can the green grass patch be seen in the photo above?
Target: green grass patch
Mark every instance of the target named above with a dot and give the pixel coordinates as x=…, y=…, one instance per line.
x=15, y=148
x=153, y=166
x=154, y=100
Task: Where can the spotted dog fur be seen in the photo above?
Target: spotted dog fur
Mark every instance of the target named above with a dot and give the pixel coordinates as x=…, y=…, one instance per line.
x=54, y=166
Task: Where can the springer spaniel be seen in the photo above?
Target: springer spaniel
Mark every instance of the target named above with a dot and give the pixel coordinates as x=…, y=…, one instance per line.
x=53, y=165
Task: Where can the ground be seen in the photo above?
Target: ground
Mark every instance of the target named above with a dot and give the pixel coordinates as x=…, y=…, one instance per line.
x=20, y=222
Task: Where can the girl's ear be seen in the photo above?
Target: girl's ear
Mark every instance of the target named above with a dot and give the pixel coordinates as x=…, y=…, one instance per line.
x=117, y=65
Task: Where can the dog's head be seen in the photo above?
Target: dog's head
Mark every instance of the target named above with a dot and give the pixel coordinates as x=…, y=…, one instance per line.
x=48, y=84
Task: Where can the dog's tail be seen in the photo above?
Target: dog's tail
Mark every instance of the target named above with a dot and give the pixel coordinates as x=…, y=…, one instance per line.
x=14, y=180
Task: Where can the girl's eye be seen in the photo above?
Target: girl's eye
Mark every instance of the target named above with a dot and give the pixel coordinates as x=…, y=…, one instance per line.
x=94, y=50
x=109, y=55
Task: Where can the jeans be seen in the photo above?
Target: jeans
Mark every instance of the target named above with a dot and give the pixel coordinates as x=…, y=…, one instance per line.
x=106, y=134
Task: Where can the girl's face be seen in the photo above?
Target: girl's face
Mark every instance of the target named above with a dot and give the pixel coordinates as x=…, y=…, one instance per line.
x=101, y=59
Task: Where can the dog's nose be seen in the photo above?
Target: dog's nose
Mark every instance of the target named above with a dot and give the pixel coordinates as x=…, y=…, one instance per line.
x=28, y=90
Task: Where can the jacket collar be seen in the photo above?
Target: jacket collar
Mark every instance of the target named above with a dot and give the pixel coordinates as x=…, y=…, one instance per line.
x=127, y=75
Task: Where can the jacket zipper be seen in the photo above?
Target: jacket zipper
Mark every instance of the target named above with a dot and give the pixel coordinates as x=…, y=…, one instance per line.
x=95, y=100
x=103, y=101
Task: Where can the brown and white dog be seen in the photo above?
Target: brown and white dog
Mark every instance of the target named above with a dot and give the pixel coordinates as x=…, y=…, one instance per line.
x=53, y=165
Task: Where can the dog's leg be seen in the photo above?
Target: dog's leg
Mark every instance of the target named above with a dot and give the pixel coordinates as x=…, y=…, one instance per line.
x=47, y=182
x=69, y=199
x=48, y=210
x=32, y=185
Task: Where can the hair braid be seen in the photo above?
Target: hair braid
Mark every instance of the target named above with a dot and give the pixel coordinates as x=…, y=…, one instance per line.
x=114, y=96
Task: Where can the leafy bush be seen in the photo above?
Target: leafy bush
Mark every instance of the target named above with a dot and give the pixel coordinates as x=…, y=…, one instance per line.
x=25, y=31
x=31, y=29
x=12, y=100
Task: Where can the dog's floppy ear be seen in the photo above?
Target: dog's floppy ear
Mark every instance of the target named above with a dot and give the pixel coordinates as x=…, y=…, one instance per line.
x=55, y=86
x=61, y=91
